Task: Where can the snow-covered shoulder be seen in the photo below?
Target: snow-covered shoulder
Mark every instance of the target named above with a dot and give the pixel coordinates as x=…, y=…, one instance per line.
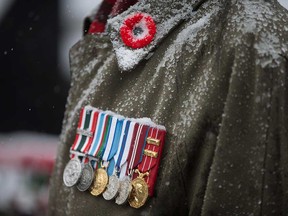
x=263, y=27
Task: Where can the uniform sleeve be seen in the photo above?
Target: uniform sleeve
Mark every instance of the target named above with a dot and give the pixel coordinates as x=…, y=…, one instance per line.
x=250, y=166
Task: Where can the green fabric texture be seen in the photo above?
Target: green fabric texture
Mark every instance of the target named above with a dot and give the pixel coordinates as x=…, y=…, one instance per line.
x=218, y=83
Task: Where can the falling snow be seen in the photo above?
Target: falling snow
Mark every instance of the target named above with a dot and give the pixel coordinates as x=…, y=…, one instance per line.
x=214, y=83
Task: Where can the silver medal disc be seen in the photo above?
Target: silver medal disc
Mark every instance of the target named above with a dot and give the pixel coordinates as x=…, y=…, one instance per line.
x=124, y=191
x=72, y=172
x=112, y=188
x=86, y=178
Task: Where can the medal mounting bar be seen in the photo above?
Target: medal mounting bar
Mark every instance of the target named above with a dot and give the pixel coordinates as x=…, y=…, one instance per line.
x=153, y=141
x=150, y=153
x=133, y=146
x=76, y=153
x=84, y=132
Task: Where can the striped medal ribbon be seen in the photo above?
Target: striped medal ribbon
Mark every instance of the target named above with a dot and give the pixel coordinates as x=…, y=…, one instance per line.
x=120, y=157
x=87, y=122
x=136, y=153
x=125, y=144
x=133, y=159
x=143, y=184
x=127, y=151
x=85, y=131
x=96, y=151
x=113, y=143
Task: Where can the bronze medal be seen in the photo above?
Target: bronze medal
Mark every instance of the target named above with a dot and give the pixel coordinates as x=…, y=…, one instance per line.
x=100, y=182
x=139, y=193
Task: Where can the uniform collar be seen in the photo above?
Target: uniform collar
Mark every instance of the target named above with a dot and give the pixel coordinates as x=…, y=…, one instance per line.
x=166, y=14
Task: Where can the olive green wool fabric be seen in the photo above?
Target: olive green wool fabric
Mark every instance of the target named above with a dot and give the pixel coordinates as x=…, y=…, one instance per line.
x=217, y=80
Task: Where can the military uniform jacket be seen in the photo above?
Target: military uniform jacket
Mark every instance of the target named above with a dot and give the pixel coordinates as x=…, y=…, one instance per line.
x=215, y=76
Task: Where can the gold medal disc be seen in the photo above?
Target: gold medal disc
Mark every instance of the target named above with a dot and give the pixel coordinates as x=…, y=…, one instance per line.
x=139, y=193
x=100, y=182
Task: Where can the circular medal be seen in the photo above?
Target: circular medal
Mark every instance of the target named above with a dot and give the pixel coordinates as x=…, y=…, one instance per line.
x=100, y=182
x=72, y=172
x=139, y=193
x=124, y=191
x=112, y=188
x=86, y=178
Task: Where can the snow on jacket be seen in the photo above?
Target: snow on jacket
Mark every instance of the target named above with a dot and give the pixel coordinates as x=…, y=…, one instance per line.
x=216, y=78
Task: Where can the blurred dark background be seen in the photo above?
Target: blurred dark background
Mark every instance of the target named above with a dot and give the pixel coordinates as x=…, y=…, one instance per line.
x=32, y=91
x=35, y=38
x=34, y=75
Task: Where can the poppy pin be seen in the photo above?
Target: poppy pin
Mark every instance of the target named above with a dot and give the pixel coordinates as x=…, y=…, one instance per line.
x=138, y=30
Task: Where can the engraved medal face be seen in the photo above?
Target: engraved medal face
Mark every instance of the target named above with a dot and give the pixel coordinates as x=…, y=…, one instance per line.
x=86, y=178
x=112, y=188
x=72, y=172
x=139, y=193
x=124, y=191
x=100, y=182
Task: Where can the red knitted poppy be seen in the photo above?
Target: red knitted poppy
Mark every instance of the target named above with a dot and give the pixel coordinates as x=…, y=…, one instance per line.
x=138, y=30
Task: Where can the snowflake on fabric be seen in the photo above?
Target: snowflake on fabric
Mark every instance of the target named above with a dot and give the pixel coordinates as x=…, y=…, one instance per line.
x=138, y=30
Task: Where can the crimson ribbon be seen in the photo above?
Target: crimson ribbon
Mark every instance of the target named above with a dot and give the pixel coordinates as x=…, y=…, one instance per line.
x=137, y=146
x=151, y=164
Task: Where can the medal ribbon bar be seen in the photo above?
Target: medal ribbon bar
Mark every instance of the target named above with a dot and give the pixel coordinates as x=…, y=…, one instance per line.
x=121, y=164
x=73, y=172
x=115, y=146
x=123, y=145
x=149, y=162
x=111, y=146
x=87, y=122
x=114, y=165
x=100, y=138
x=138, y=145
